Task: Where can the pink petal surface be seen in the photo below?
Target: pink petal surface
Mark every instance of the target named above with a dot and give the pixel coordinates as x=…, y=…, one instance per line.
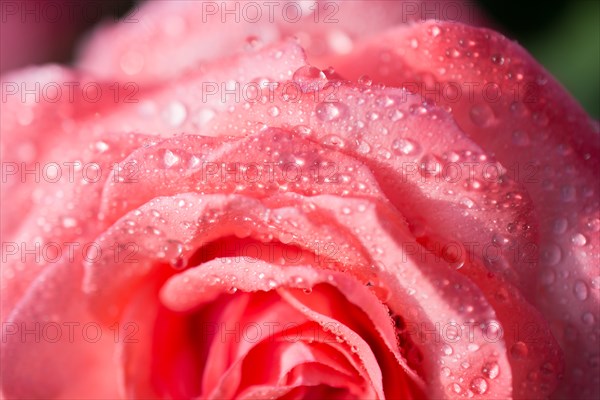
x=161, y=40
x=540, y=133
x=409, y=179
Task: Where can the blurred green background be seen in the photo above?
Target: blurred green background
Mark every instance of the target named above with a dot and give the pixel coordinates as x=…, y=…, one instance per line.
x=562, y=35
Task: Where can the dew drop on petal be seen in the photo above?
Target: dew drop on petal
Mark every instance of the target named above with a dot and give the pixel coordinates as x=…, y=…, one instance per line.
x=329, y=112
x=491, y=370
x=405, y=147
x=593, y=224
x=519, y=350
x=588, y=318
x=309, y=77
x=170, y=159
x=479, y=385
x=364, y=148
x=551, y=254
x=447, y=349
x=579, y=240
x=580, y=290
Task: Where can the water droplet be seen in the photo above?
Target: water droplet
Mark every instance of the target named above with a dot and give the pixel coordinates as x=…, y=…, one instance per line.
x=568, y=193
x=491, y=370
x=560, y=225
x=447, y=349
x=285, y=237
x=479, y=385
x=364, y=148
x=456, y=388
x=481, y=115
x=329, y=112
x=101, y=146
x=588, y=318
x=580, y=289
x=414, y=43
x=365, y=80
x=466, y=202
x=384, y=101
x=551, y=254
x=397, y=115
x=593, y=224
x=430, y=166
x=152, y=231
x=309, y=77
x=579, y=240
x=519, y=350
x=497, y=59
x=302, y=130
x=548, y=276
x=354, y=349
x=170, y=159
x=452, y=53
x=274, y=111
x=405, y=147
x=435, y=31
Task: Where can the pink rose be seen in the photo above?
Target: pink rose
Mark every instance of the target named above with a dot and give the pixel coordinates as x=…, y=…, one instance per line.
x=208, y=209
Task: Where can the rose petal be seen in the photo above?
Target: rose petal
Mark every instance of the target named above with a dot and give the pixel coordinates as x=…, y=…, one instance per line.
x=423, y=163
x=47, y=322
x=545, y=139
x=161, y=40
x=283, y=161
x=56, y=228
x=169, y=229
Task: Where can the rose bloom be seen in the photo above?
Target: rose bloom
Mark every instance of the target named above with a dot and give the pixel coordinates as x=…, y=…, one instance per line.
x=376, y=207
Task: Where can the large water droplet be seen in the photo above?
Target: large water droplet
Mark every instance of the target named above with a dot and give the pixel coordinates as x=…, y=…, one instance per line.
x=560, y=225
x=447, y=349
x=588, y=318
x=479, y=385
x=551, y=254
x=593, y=224
x=580, y=290
x=170, y=159
x=519, y=350
x=430, y=166
x=491, y=370
x=329, y=112
x=497, y=59
x=579, y=240
x=364, y=148
x=274, y=111
x=405, y=147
